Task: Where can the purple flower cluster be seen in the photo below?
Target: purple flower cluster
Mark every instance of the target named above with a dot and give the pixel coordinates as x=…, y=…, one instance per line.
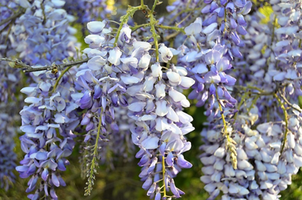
x=264, y=165
x=209, y=66
x=7, y=155
x=87, y=10
x=177, y=14
x=128, y=91
x=266, y=128
x=48, y=123
x=232, y=24
x=103, y=97
x=98, y=79
x=8, y=76
x=120, y=75
x=8, y=85
x=160, y=125
x=45, y=33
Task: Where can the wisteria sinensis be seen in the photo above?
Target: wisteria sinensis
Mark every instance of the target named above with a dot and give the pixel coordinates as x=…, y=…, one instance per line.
x=126, y=94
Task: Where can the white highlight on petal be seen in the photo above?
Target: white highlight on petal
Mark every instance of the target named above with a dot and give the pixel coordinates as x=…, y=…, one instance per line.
x=184, y=117
x=94, y=41
x=179, y=97
x=176, y=96
x=264, y=128
x=165, y=53
x=210, y=28
x=58, y=3
x=161, y=108
x=151, y=142
x=148, y=84
x=114, y=56
x=144, y=45
x=220, y=152
x=33, y=100
x=95, y=26
x=173, y=77
x=28, y=90
x=125, y=34
x=181, y=71
x=161, y=124
x=128, y=79
x=137, y=106
x=200, y=68
x=96, y=63
x=24, y=3
x=291, y=140
x=160, y=90
x=147, y=118
x=156, y=70
x=280, y=76
x=144, y=61
x=237, y=189
x=172, y=115
x=193, y=29
x=175, y=129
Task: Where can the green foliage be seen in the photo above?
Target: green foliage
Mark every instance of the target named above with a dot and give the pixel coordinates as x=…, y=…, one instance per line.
x=294, y=191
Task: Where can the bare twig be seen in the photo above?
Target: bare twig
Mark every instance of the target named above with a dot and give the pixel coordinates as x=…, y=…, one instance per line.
x=260, y=91
x=28, y=68
x=14, y=16
x=17, y=63
x=186, y=17
x=7, y=25
x=291, y=105
x=172, y=35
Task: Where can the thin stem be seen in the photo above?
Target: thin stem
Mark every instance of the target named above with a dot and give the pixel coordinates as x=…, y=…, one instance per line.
x=8, y=32
x=164, y=172
x=286, y=122
x=15, y=63
x=171, y=27
x=125, y=18
x=274, y=26
x=253, y=102
x=93, y=161
x=184, y=19
x=154, y=5
x=28, y=68
x=225, y=22
x=223, y=118
x=181, y=12
x=154, y=35
x=291, y=105
x=230, y=143
x=59, y=78
x=172, y=35
x=14, y=16
x=261, y=92
x=7, y=25
x=43, y=12
x=142, y=2
x=139, y=26
x=256, y=88
x=240, y=104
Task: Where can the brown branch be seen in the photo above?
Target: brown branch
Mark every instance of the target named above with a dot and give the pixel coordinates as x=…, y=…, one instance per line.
x=28, y=68
x=288, y=103
x=14, y=16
